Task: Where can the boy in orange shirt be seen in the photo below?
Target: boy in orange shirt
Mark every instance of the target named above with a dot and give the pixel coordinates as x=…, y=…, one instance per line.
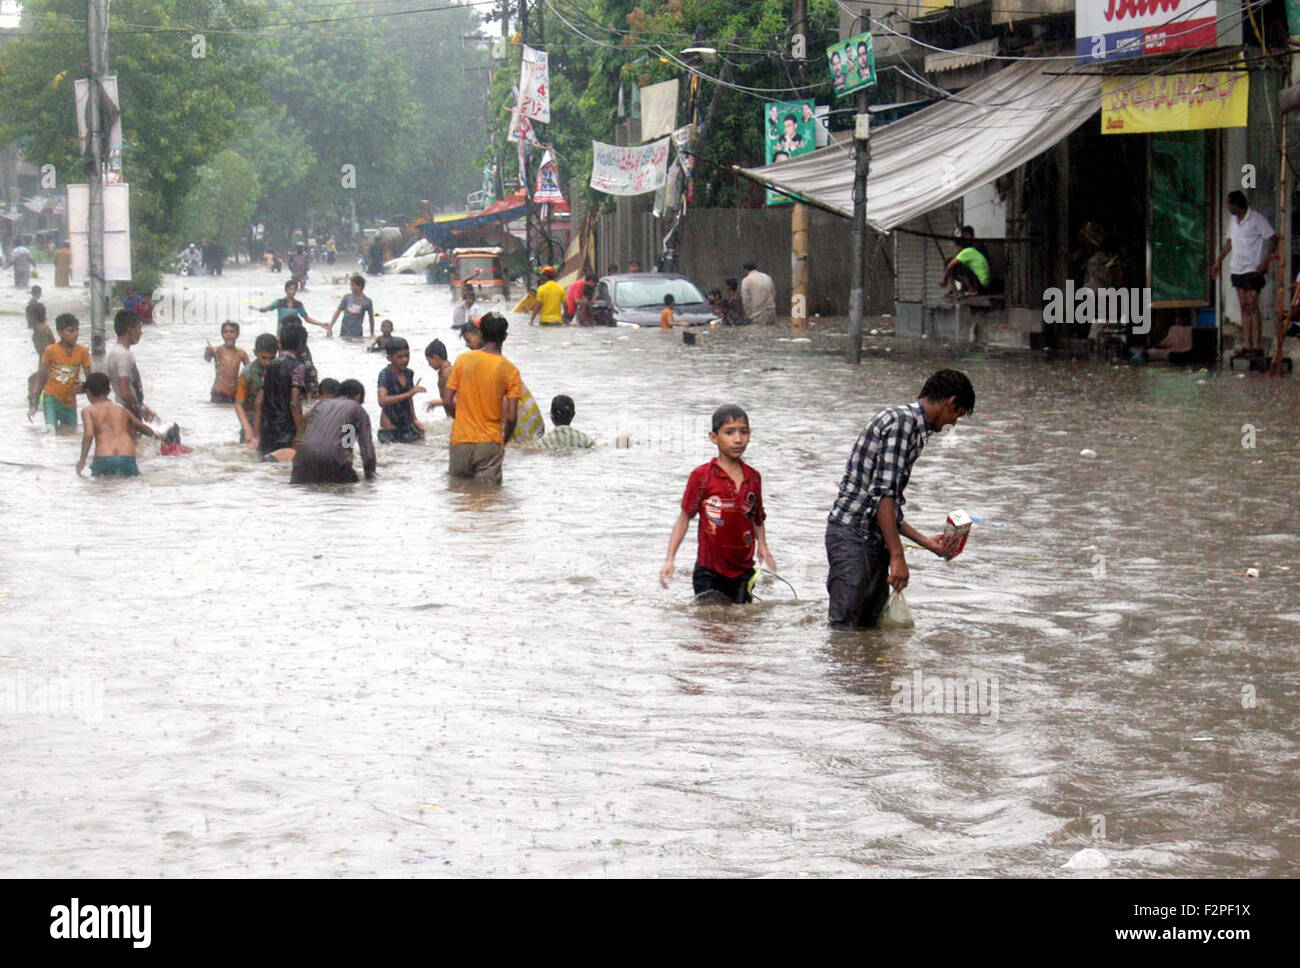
x=58, y=373
x=666, y=319
x=483, y=391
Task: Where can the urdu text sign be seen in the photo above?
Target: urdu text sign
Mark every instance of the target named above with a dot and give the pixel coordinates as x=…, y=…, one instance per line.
x=1174, y=102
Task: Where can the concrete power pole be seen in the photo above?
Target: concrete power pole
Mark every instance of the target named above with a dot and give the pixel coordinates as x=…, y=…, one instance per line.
x=524, y=173
x=97, y=39
x=799, y=211
x=861, y=165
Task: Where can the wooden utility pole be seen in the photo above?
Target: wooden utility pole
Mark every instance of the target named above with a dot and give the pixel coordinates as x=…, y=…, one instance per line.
x=799, y=211
x=97, y=40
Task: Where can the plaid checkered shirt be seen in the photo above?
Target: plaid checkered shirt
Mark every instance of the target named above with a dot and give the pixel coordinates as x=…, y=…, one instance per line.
x=879, y=467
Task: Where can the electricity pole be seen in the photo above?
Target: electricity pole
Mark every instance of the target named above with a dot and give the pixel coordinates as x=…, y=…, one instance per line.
x=799, y=211
x=523, y=154
x=861, y=165
x=97, y=40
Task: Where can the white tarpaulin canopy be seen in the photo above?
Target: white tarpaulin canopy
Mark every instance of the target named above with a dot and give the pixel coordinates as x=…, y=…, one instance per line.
x=944, y=151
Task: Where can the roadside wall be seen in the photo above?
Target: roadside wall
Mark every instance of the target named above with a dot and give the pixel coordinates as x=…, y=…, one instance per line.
x=716, y=242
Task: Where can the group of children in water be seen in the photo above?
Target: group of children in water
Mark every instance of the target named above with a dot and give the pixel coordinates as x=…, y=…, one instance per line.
x=271, y=392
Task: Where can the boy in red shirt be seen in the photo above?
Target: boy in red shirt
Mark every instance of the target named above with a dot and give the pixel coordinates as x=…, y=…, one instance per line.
x=729, y=495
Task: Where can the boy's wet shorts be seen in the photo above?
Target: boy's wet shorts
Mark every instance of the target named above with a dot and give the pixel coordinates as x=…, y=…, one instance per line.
x=219, y=397
x=735, y=589
x=57, y=412
x=119, y=466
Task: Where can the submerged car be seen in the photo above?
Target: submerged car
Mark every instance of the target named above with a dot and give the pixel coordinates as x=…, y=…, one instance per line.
x=637, y=299
x=417, y=258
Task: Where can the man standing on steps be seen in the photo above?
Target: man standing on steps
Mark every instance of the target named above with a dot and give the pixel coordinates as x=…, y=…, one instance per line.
x=1252, y=243
x=758, y=293
x=483, y=391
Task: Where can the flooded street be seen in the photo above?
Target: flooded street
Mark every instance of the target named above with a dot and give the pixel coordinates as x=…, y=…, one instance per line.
x=402, y=679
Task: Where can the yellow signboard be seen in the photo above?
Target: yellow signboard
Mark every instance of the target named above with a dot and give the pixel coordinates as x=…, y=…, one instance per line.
x=1174, y=102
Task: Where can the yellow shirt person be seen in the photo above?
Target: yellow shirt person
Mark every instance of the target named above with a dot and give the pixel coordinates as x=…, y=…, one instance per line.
x=550, y=300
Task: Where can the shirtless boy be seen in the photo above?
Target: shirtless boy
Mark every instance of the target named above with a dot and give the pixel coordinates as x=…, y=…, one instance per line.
x=112, y=429
x=227, y=358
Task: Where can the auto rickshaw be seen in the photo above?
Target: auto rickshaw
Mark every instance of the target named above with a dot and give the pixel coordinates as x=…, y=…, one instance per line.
x=483, y=267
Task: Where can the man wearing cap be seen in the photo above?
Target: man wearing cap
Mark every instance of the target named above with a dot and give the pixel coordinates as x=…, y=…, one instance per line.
x=550, y=301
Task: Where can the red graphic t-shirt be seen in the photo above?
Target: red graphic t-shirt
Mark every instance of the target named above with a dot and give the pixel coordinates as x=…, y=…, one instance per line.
x=727, y=516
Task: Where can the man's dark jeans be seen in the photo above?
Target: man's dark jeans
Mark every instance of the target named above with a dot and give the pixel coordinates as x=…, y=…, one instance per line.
x=858, y=579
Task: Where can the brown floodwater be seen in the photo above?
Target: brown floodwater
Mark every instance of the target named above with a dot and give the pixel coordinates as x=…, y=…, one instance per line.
x=208, y=672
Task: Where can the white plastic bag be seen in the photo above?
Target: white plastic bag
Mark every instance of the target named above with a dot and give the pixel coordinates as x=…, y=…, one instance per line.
x=897, y=614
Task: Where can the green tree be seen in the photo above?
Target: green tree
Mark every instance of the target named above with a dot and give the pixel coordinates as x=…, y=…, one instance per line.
x=596, y=46
x=389, y=105
x=178, y=109
x=224, y=198
x=284, y=163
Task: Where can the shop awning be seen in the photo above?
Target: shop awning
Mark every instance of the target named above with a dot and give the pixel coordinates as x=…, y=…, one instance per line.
x=953, y=60
x=507, y=210
x=940, y=153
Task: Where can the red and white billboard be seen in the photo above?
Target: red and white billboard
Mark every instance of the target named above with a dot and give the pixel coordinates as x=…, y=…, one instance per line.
x=1106, y=29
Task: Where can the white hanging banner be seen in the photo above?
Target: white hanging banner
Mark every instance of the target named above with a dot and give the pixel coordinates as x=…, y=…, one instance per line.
x=117, y=231
x=110, y=113
x=634, y=170
x=658, y=109
x=535, y=86
x=548, y=181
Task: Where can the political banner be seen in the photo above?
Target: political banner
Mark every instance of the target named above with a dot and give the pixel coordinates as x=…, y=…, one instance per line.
x=1174, y=102
x=535, y=86
x=631, y=170
x=548, y=181
x=789, y=130
x=852, y=63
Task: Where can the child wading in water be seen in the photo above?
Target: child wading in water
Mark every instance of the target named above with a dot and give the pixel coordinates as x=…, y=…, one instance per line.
x=380, y=345
x=265, y=349
x=227, y=359
x=112, y=429
x=728, y=494
x=397, y=387
x=435, y=354
x=57, y=375
x=41, y=338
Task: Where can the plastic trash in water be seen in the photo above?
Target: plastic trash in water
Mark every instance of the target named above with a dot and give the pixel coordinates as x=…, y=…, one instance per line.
x=1252, y=572
x=1087, y=452
x=897, y=614
x=1088, y=859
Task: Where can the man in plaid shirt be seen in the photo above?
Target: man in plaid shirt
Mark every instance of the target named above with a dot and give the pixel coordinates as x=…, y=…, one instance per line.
x=865, y=528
